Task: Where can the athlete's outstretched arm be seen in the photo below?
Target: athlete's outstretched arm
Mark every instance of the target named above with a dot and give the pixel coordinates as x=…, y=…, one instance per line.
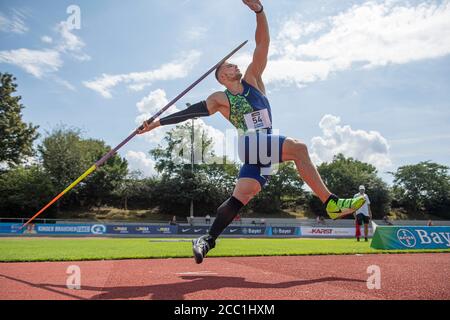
x=262, y=38
x=200, y=109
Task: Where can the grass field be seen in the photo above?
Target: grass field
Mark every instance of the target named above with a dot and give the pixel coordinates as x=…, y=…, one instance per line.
x=51, y=249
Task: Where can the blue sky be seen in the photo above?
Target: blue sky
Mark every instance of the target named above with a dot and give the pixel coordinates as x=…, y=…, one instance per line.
x=366, y=78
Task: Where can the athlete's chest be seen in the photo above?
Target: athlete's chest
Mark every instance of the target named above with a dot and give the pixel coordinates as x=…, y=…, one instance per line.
x=249, y=110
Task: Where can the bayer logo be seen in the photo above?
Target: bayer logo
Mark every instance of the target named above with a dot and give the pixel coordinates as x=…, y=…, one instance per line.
x=406, y=238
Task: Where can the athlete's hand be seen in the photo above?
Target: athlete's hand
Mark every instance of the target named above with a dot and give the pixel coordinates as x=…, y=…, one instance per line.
x=149, y=127
x=254, y=5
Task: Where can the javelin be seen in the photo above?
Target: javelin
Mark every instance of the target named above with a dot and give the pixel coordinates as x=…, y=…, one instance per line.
x=100, y=162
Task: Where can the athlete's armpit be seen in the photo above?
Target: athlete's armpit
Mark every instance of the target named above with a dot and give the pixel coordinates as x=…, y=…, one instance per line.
x=218, y=102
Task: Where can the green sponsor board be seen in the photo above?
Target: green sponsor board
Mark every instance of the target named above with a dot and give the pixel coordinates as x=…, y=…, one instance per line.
x=401, y=237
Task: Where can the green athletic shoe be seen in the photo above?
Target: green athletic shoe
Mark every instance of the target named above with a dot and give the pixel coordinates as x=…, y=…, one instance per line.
x=339, y=208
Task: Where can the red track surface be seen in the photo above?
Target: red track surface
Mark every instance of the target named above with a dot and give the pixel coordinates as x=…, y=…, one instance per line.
x=404, y=276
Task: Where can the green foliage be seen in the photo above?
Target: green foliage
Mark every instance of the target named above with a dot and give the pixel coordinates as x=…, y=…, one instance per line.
x=175, y=155
x=66, y=156
x=24, y=191
x=343, y=176
x=209, y=184
x=173, y=195
x=16, y=137
x=285, y=183
x=102, y=183
x=423, y=187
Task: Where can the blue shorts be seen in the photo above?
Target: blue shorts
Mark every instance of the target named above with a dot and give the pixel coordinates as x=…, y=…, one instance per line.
x=258, y=152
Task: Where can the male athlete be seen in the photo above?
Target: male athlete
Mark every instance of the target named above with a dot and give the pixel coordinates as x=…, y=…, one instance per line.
x=245, y=105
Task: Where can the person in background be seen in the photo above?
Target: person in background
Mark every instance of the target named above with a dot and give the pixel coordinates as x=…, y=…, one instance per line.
x=363, y=215
x=430, y=223
x=320, y=220
x=208, y=219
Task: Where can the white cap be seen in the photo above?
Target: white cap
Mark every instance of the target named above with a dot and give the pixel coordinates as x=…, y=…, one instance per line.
x=361, y=187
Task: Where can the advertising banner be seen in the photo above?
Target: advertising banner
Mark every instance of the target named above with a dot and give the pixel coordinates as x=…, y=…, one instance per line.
x=283, y=231
x=6, y=228
x=54, y=229
x=400, y=237
x=245, y=231
x=200, y=230
x=328, y=232
x=140, y=229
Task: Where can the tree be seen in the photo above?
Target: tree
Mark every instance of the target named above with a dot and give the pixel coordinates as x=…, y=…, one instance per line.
x=209, y=184
x=16, y=136
x=343, y=176
x=65, y=156
x=175, y=155
x=100, y=186
x=284, y=184
x=423, y=187
x=24, y=191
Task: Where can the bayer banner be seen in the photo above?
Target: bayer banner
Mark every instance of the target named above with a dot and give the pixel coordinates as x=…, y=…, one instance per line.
x=392, y=237
x=245, y=231
x=283, y=231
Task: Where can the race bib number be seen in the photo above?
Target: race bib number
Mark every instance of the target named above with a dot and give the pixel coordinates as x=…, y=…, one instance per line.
x=258, y=119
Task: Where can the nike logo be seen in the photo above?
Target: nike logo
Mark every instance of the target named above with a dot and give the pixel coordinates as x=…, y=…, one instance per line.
x=197, y=230
x=233, y=230
x=184, y=230
x=248, y=92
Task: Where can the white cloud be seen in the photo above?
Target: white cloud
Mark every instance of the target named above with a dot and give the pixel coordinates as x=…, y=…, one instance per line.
x=366, y=146
x=40, y=63
x=217, y=136
x=46, y=39
x=139, y=80
x=195, y=33
x=295, y=28
x=14, y=24
x=36, y=62
x=155, y=101
x=70, y=43
x=149, y=106
x=370, y=35
x=65, y=83
x=139, y=161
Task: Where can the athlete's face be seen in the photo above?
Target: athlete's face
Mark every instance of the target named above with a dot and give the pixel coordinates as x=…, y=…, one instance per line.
x=230, y=72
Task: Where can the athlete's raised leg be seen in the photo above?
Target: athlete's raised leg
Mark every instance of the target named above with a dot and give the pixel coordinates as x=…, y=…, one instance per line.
x=294, y=150
x=245, y=190
x=297, y=151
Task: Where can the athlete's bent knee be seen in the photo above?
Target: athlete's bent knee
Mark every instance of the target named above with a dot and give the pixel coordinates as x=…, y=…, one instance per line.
x=301, y=148
x=244, y=197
